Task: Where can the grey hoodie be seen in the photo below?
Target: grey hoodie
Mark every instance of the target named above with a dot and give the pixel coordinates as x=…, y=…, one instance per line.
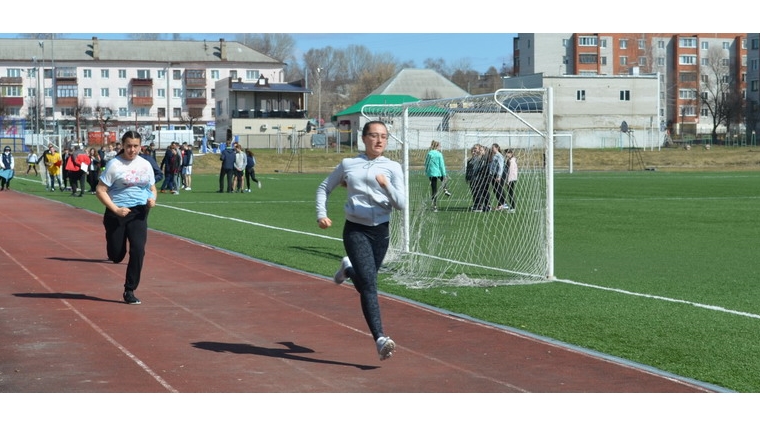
x=368, y=203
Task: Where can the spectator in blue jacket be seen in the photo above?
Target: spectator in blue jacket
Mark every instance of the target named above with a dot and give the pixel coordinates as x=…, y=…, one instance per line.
x=228, y=167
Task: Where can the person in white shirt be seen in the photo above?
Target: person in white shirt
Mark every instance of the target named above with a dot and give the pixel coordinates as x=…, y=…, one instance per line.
x=127, y=188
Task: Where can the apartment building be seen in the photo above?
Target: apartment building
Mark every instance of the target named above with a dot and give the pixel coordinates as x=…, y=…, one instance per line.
x=691, y=68
x=83, y=87
x=753, y=81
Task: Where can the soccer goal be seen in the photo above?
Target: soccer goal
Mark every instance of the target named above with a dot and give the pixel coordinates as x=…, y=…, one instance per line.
x=455, y=244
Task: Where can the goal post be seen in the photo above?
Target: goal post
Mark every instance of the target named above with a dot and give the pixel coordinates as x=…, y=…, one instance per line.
x=455, y=244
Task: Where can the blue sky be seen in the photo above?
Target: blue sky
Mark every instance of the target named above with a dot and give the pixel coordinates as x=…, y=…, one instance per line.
x=481, y=50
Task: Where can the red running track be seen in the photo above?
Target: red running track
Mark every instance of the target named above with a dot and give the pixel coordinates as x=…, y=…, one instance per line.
x=216, y=322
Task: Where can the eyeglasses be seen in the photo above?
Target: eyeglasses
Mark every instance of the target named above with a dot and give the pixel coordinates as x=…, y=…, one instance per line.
x=378, y=135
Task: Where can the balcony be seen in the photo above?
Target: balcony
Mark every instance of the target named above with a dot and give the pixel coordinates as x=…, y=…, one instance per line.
x=142, y=101
x=66, y=101
x=195, y=101
x=141, y=82
x=11, y=80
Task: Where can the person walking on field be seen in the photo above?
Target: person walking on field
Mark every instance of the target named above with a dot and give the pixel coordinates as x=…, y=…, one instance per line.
x=127, y=189
x=375, y=186
x=250, y=171
x=511, y=172
x=31, y=161
x=496, y=169
x=435, y=169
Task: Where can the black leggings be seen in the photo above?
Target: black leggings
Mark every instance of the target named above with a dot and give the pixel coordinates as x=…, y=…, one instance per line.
x=250, y=175
x=133, y=228
x=366, y=247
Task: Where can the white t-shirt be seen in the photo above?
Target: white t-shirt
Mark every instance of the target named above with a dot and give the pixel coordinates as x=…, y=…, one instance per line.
x=129, y=182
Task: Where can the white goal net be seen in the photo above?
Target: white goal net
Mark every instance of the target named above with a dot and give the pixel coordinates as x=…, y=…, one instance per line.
x=456, y=244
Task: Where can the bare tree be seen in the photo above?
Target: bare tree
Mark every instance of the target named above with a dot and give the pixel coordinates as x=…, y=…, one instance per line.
x=716, y=89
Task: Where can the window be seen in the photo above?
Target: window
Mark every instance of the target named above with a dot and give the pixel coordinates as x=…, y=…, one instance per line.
x=724, y=62
x=661, y=61
x=687, y=42
x=753, y=85
x=705, y=96
x=161, y=112
x=13, y=91
x=87, y=73
x=14, y=111
x=744, y=60
x=687, y=59
x=68, y=91
x=14, y=72
x=623, y=43
x=625, y=95
x=704, y=112
x=753, y=64
x=661, y=44
x=754, y=43
x=196, y=93
x=122, y=73
x=143, y=112
x=104, y=92
x=123, y=112
x=177, y=93
x=177, y=74
x=161, y=93
x=195, y=74
x=143, y=74
x=705, y=45
x=254, y=74
x=623, y=60
x=587, y=41
x=161, y=74
x=687, y=110
x=726, y=45
x=88, y=92
x=214, y=74
x=565, y=42
x=122, y=92
x=642, y=61
x=687, y=94
x=603, y=60
x=583, y=58
x=580, y=95
x=705, y=62
x=603, y=43
x=233, y=74
x=104, y=74
x=705, y=78
x=67, y=111
x=176, y=112
x=688, y=77
x=31, y=92
x=642, y=44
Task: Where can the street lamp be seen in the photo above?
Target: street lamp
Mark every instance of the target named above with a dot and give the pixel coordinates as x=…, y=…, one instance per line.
x=319, y=98
x=41, y=75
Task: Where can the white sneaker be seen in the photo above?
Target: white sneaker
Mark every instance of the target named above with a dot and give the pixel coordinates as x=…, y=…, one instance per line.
x=385, y=347
x=340, y=275
x=175, y=192
x=188, y=188
x=259, y=184
x=447, y=193
x=247, y=190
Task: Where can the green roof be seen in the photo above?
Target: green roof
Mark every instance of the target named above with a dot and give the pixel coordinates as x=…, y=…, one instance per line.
x=375, y=100
x=391, y=101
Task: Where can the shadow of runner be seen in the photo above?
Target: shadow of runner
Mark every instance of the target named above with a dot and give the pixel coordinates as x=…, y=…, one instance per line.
x=64, y=295
x=290, y=353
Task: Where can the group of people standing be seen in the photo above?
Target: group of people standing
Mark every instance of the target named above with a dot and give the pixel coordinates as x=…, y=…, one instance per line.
x=236, y=165
x=488, y=170
x=177, y=166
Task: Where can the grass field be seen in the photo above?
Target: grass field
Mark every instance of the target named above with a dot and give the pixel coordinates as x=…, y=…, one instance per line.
x=655, y=267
